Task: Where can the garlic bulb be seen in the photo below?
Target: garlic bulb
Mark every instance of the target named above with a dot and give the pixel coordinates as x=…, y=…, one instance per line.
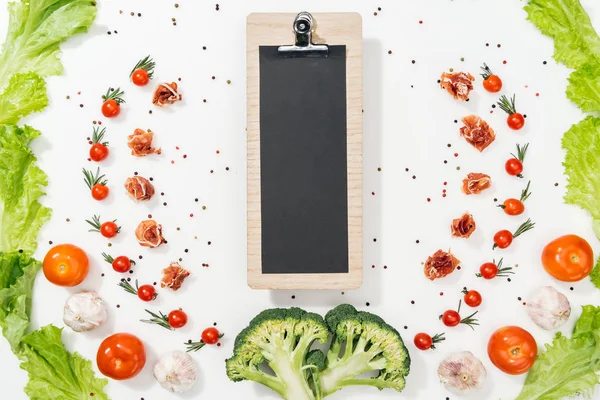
x=84, y=311
x=462, y=373
x=548, y=308
x=176, y=371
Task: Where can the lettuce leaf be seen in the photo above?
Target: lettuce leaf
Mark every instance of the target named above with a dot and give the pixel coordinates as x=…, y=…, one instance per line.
x=567, y=366
x=575, y=40
x=54, y=373
x=584, y=87
x=595, y=274
x=25, y=93
x=17, y=276
x=36, y=29
x=21, y=184
x=582, y=166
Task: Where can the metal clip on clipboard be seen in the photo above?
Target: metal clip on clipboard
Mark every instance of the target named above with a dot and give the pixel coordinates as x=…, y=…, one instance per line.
x=304, y=25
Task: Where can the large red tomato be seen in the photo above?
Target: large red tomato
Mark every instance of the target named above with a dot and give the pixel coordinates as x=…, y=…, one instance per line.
x=512, y=350
x=121, y=356
x=568, y=258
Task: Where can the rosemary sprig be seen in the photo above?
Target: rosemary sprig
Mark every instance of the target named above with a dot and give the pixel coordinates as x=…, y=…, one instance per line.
x=195, y=346
x=90, y=179
x=134, y=290
x=525, y=193
x=98, y=136
x=508, y=106
x=470, y=321
x=161, y=320
x=487, y=72
x=146, y=64
x=95, y=223
x=521, y=152
x=525, y=226
x=114, y=94
x=437, y=338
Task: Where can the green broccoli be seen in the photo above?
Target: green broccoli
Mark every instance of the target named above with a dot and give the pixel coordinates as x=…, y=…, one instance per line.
x=282, y=339
x=363, y=342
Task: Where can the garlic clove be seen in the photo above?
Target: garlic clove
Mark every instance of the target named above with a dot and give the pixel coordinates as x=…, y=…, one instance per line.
x=176, y=371
x=84, y=311
x=548, y=308
x=462, y=373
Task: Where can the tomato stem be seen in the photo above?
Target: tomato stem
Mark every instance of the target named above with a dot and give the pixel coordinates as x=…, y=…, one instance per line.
x=98, y=136
x=525, y=193
x=161, y=320
x=114, y=94
x=487, y=72
x=508, y=106
x=147, y=64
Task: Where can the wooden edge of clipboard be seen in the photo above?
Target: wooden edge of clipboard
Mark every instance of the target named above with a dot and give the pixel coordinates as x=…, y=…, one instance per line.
x=276, y=29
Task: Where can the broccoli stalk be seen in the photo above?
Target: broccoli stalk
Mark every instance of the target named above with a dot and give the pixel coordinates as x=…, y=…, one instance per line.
x=282, y=338
x=368, y=345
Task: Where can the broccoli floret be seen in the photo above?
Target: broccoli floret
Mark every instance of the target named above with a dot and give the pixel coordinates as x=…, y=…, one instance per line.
x=315, y=363
x=362, y=343
x=281, y=338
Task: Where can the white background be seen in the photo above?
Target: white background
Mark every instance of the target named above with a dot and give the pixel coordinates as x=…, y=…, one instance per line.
x=404, y=127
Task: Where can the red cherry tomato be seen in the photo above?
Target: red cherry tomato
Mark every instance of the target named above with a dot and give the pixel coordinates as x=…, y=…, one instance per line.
x=451, y=318
x=109, y=229
x=98, y=152
x=177, y=318
x=472, y=298
x=493, y=84
x=99, y=191
x=513, y=207
x=139, y=77
x=503, y=238
x=423, y=341
x=488, y=270
x=513, y=167
x=110, y=108
x=121, y=264
x=515, y=121
x=210, y=335
x=146, y=293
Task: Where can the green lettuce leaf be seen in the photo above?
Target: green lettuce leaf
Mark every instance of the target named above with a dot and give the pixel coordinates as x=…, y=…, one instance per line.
x=21, y=184
x=575, y=40
x=595, y=274
x=17, y=276
x=54, y=373
x=25, y=93
x=36, y=28
x=588, y=322
x=584, y=87
x=582, y=166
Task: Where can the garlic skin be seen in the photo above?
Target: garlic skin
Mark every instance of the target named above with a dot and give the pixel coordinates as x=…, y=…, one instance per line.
x=548, y=308
x=84, y=311
x=176, y=371
x=462, y=373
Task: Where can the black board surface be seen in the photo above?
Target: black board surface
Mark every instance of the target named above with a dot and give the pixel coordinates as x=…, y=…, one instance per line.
x=303, y=162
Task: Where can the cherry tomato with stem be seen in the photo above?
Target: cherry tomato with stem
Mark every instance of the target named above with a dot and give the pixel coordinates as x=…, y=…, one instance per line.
x=504, y=238
x=515, y=120
x=142, y=72
x=514, y=165
x=569, y=258
x=512, y=350
x=119, y=264
x=99, y=149
x=144, y=292
x=177, y=319
x=492, y=83
x=107, y=229
x=121, y=356
x=452, y=318
x=423, y=341
x=66, y=265
x=96, y=183
x=515, y=206
x=472, y=298
x=112, y=102
x=209, y=336
x=490, y=270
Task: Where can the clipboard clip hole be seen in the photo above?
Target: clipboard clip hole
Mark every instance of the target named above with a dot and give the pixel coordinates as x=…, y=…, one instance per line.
x=304, y=25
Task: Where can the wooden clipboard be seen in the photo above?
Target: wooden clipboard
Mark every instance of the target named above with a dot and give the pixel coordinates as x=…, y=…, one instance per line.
x=276, y=30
